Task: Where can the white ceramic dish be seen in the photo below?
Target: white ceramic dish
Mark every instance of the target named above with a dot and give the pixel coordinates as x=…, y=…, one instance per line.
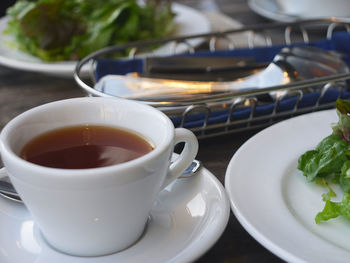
x=272, y=199
x=189, y=21
x=188, y=218
x=271, y=9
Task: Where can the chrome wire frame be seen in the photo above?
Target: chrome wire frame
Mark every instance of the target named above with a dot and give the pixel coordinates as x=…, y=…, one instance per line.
x=293, y=32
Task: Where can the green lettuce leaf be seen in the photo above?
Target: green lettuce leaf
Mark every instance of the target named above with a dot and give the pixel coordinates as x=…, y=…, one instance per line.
x=55, y=30
x=327, y=159
x=335, y=209
x=343, y=126
x=344, y=177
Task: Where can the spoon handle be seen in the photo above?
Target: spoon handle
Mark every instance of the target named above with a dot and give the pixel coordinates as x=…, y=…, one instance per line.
x=7, y=188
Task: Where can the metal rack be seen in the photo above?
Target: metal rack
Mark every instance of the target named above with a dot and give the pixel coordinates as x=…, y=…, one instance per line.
x=248, y=101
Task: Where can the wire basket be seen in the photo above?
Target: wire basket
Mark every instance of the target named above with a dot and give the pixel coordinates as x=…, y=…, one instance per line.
x=223, y=113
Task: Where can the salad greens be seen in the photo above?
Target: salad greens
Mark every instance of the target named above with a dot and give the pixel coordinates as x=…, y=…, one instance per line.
x=56, y=30
x=330, y=162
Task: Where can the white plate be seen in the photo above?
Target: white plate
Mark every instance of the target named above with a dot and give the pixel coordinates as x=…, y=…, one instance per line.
x=187, y=220
x=272, y=199
x=272, y=10
x=188, y=22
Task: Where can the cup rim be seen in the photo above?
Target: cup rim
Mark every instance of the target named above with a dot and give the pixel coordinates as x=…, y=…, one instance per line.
x=5, y=148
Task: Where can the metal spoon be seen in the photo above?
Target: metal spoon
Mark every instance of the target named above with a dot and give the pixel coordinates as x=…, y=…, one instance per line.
x=8, y=191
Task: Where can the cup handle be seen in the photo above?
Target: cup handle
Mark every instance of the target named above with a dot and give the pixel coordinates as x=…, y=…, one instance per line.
x=186, y=157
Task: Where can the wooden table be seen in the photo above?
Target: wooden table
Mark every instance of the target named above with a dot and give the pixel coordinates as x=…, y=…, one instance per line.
x=20, y=91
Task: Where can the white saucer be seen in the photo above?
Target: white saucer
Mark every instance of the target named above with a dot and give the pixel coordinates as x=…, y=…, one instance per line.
x=272, y=10
x=187, y=220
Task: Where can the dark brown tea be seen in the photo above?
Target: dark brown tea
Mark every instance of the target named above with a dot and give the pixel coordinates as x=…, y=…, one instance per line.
x=86, y=146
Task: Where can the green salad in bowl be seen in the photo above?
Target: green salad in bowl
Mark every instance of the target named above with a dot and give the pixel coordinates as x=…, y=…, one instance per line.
x=329, y=163
x=62, y=30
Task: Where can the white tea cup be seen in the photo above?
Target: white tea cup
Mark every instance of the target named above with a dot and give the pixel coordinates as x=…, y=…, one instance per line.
x=97, y=211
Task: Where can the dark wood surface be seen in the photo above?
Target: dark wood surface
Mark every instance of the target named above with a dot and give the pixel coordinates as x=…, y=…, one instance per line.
x=20, y=91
